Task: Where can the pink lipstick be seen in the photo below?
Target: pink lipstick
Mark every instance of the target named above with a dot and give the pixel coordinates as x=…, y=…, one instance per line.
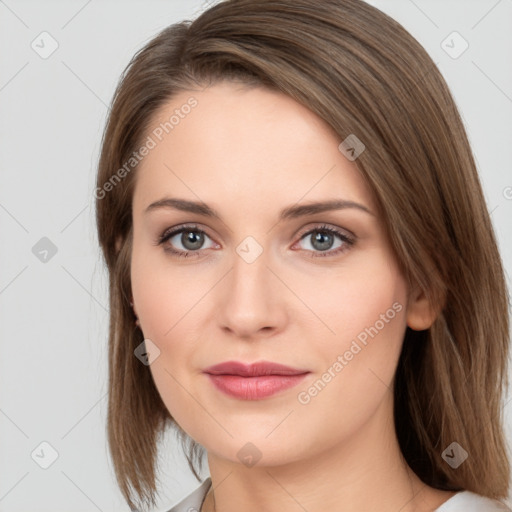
x=254, y=381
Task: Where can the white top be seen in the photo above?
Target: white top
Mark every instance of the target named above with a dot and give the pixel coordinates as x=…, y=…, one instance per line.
x=464, y=501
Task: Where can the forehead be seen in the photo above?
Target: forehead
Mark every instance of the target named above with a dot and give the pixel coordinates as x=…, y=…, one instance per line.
x=250, y=143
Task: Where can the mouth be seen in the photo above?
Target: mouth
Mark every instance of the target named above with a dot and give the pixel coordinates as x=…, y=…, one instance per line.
x=254, y=381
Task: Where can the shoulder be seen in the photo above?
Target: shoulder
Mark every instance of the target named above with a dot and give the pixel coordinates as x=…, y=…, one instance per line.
x=466, y=501
x=192, y=502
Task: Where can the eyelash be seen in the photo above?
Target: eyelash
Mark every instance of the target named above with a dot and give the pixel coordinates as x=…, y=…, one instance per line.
x=347, y=240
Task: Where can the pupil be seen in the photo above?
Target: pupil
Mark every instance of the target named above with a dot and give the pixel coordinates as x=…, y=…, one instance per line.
x=192, y=240
x=319, y=241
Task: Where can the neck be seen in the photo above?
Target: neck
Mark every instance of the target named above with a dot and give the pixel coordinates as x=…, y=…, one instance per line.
x=365, y=472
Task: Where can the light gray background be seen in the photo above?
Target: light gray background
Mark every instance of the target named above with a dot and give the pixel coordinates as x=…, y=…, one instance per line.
x=53, y=315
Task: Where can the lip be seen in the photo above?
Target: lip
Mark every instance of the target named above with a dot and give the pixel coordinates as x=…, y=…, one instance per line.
x=254, y=381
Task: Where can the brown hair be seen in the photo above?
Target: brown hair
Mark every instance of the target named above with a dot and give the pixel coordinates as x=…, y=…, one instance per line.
x=364, y=74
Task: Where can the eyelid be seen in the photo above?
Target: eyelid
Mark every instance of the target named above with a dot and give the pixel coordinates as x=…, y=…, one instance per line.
x=174, y=230
x=347, y=241
x=318, y=226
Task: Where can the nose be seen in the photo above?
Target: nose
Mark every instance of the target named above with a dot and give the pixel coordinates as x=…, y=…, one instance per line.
x=253, y=300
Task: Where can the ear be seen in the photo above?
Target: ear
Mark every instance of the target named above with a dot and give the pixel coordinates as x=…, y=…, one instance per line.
x=421, y=314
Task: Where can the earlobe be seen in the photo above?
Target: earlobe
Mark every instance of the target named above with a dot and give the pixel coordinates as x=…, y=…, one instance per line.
x=421, y=314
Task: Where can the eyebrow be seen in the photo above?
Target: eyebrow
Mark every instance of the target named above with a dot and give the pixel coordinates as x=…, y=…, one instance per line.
x=291, y=212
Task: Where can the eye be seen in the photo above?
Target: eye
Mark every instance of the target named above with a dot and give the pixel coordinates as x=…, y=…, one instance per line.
x=188, y=241
x=322, y=241
x=190, y=238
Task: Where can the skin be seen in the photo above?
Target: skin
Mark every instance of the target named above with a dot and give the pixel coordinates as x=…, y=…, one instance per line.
x=248, y=153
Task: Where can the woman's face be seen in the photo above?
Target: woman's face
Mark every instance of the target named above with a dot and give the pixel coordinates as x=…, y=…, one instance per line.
x=263, y=280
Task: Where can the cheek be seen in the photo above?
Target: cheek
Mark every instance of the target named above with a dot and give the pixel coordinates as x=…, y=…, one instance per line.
x=367, y=294
x=162, y=302
x=170, y=303
x=368, y=317
x=163, y=292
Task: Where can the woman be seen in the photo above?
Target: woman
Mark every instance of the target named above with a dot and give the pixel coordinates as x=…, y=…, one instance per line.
x=291, y=216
